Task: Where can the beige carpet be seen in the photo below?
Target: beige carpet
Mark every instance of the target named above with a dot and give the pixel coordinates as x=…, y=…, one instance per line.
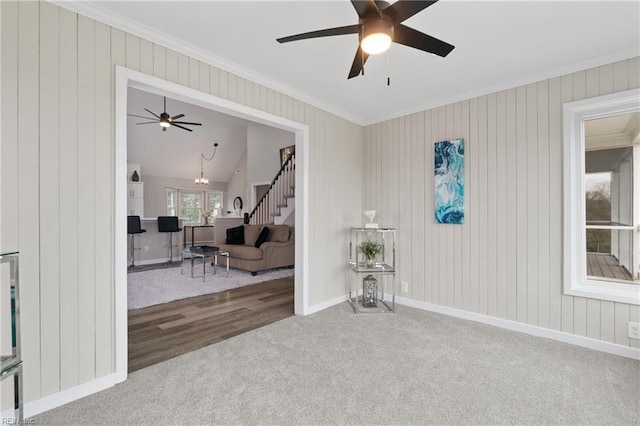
x=335, y=368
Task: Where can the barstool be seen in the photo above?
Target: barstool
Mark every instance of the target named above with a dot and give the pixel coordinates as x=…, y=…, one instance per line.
x=169, y=224
x=133, y=228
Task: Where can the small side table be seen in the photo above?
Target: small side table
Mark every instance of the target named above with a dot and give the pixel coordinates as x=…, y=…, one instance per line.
x=203, y=252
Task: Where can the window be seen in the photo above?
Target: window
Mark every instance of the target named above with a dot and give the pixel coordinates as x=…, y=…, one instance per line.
x=602, y=197
x=192, y=204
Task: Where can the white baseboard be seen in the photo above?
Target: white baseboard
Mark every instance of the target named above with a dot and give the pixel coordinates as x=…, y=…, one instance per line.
x=324, y=305
x=154, y=261
x=66, y=396
x=533, y=330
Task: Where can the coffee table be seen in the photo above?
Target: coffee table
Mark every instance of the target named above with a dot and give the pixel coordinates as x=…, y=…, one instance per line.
x=203, y=252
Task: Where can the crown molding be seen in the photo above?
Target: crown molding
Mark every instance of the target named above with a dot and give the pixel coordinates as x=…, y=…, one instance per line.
x=96, y=12
x=511, y=84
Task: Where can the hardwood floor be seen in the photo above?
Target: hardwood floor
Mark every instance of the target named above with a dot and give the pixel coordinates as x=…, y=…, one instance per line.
x=161, y=332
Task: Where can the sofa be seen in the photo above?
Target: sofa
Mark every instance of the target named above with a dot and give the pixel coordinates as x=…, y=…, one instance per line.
x=276, y=248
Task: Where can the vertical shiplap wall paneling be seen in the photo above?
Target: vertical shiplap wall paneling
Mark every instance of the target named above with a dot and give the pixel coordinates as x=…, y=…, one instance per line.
x=458, y=256
x=70, y=242
x=171, y=65
x=86, y=197
x=555, y=199
x=436, y=261
x=113, y=41
x=132, y=51
x=492, y=242
x=49, y=197
x=194, y=73
x=543, y=203
x=532, y=201
x=203, y=77
x=521, y=203
x=146, y=57
x=223, y=89
x=429, y=247
x=471, y=195
x=28, y=199
x=416, y=283
x=483, y=255
x=466, y=234
x=509, y=251
x=500, y=223
x=511, y=247
x=183, y=70
x=159, y=61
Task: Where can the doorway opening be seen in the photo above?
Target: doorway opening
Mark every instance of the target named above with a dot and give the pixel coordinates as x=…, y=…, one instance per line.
x=126, y=79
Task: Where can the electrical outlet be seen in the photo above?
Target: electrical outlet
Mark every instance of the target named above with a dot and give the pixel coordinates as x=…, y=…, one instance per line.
x=146, y=248
x=634, y=330
x=405, y=286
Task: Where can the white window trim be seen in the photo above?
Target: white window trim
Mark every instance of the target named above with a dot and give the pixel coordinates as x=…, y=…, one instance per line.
x=576, y=282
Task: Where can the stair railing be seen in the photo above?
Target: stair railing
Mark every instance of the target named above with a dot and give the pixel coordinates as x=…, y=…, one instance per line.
x=281, y=188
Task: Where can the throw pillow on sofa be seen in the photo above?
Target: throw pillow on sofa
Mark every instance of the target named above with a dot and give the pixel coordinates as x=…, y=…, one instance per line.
x=235, y=235
x=262, y=237
x=251, y=233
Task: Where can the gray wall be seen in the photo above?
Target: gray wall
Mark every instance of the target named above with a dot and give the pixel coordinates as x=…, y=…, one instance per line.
x=506, y=260
x=237, y=186
x=57, y=165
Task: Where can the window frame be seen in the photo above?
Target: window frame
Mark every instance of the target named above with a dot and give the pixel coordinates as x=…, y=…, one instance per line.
x=576, y=282
x=204, y=201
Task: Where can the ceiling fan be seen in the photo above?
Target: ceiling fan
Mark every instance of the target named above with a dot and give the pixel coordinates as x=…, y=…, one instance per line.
x=166, y=120
x=379, y=25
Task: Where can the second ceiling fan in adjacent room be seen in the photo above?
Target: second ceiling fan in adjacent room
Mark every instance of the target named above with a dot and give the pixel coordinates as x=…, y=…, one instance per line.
x=165, y=120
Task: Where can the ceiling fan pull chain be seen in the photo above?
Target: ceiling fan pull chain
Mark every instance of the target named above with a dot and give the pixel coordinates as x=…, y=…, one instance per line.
x=388, y=66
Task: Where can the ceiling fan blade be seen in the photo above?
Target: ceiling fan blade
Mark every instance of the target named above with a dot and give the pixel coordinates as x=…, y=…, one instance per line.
x=153, y=113
x=175, y=117
x=405, y=9
x=358, y=63
x=180, y=127
x=185, y=122
x=365, y=8
x=148, y=122
x=351, y=29
x=140, y=116
x=421, y=41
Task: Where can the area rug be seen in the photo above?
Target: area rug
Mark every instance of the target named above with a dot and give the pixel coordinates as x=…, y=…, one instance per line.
x=157, y=286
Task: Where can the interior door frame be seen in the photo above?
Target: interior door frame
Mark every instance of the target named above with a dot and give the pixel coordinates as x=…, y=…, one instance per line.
x=125, y=78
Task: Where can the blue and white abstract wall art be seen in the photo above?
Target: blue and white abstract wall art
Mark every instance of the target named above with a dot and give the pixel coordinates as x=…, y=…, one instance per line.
x=449, y=181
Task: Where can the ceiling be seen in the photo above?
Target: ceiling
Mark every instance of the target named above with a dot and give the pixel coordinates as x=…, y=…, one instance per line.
x=176, y=153
x=499, y=44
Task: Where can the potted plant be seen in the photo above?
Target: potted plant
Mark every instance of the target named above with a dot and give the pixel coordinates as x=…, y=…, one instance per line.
x=370, y=250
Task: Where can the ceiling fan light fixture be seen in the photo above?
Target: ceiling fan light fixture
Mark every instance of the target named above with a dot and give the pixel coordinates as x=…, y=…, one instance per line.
x=165, y=124
x=377, y=36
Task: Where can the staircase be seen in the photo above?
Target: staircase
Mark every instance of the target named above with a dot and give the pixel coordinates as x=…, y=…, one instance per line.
x=278, y=203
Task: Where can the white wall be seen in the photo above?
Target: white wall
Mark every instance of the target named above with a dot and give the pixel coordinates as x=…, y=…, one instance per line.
x=237, y=186
x=506, y=260
x=263, y=153
x=58, y=164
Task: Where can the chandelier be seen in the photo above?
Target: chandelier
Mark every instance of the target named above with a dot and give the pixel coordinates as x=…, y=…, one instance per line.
x=202, y=180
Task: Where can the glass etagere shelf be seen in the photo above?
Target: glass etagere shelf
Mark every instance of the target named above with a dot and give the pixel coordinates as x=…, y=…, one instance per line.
x=10, y=355
x=372, y=260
